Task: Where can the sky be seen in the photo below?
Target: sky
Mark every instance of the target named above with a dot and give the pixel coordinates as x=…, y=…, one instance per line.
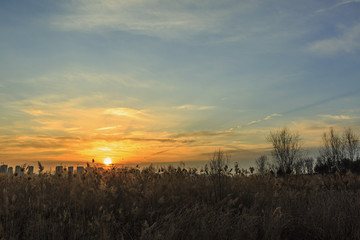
x=169, y=81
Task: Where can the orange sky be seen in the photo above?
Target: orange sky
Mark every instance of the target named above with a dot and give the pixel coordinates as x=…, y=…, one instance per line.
x=63, y=132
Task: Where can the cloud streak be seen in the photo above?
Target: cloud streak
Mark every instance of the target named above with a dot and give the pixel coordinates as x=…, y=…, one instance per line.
x=337, y=5
x=149, y=17
x=106, y=128
x=324, y=101
x=265, y=119
x=348, y=41
x=128, y=112
x=194, y=107
x=138, y=139
x=336, y=117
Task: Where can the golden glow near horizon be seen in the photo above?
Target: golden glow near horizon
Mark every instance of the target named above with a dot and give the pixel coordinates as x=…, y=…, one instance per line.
x=142, y=135
x=107, y=161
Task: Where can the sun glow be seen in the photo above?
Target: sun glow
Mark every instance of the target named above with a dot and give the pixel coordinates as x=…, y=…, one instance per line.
x=107, y=161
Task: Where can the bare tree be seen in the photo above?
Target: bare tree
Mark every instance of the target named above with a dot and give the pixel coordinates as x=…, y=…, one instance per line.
x=351, y=144
x=333, y=150
x=219, y=170
x=261, y=164
x=309, y=165
x=299, y=166
x=219, y=163
x=287, y=149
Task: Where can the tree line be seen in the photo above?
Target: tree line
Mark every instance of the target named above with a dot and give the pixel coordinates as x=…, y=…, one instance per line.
x=338, y=153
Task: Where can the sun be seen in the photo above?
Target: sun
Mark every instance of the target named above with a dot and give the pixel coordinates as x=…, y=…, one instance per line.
x=107, y=161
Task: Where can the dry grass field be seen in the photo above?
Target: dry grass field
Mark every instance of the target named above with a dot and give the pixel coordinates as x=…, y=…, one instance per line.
x=179, y=203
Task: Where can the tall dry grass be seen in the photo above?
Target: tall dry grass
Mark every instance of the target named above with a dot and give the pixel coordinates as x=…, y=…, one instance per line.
x=179, y=203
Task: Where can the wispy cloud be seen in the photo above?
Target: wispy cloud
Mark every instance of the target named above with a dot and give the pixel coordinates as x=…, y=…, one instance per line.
x=150, y=17
x=166, y=140
x=347, y=94
x=254, y=122
x=337, y=5
x=106, y=128
x=336, y=117
x=194, y=107
x=73, y=78
x=128, y=112
x=271, y=116
x=141, y=139
x=311, y=131
x=105, y=149
x=35, y=112
x=228, y=132
x=348, y=41
x=265, y=119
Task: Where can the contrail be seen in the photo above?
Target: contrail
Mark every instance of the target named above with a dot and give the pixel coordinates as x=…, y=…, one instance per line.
x=320, y=102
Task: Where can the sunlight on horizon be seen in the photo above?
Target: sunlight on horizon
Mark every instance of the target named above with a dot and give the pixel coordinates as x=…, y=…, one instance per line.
x=107, y=161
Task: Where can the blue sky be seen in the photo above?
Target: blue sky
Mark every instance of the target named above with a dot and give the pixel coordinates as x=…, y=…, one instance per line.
x=173, y=80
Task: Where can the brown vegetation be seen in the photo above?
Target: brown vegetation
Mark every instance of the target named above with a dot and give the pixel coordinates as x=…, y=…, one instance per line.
x=179, y=203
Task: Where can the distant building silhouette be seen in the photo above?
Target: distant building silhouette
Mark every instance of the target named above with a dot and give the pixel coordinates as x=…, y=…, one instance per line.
x=80, y=170
x=3, y=168
x=59, y=169
x=10, y=171
x=19, y=171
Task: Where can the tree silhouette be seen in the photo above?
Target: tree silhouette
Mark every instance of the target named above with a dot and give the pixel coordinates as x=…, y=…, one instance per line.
x=286, y=151
x=351, y=144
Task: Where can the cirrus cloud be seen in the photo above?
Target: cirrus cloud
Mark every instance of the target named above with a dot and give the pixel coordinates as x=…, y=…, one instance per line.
x=194, y=107
x=336, y=117
x=265, y=119
x=128, y=112
x=348, y=41
x=149, y=17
